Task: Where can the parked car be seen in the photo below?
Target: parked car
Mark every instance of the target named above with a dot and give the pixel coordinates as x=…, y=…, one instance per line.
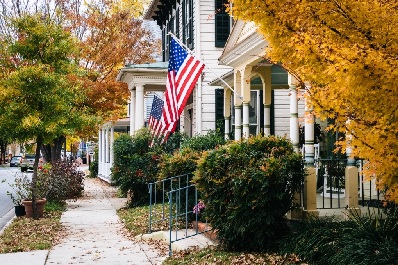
x=27, y=162
x=15, y=160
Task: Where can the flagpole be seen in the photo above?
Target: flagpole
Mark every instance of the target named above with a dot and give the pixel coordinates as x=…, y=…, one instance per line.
x=211, y=69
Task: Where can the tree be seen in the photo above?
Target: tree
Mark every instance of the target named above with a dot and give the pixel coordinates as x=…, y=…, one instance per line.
x=38, y=96
x=109, y=35
x=347, y=51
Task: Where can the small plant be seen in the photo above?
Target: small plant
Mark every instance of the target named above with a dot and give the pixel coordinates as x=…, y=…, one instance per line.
x=198, y=211
x=20, y=188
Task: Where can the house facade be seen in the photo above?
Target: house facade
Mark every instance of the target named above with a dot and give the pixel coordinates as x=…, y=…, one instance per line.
x=240, y=92
x=203, y=27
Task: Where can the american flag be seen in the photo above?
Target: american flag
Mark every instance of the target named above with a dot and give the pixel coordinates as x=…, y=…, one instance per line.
x=183, y=73
x=156, y=112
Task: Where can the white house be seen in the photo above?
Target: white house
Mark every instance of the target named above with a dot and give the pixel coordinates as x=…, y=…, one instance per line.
x=253, y=95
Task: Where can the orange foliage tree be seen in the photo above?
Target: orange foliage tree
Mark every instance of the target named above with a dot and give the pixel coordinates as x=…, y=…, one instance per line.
x=347, y=50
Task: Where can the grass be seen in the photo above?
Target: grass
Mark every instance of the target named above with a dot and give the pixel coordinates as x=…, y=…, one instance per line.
x=136, y=221
x=27, y=234
x=214, y=255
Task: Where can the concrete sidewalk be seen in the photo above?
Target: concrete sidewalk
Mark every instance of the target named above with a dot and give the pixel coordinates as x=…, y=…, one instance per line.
x=95, y=235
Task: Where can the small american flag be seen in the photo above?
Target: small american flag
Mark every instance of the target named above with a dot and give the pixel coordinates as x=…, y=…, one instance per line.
x=183, y=73
x=156, y=112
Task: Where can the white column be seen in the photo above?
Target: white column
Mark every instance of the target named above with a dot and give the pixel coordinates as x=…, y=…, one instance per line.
x=103, y=147
x=227, y=112
x=309, y=135
x=246, y=129
x=106, y=145
x=238, y=105
x=132, y=112
x=294, y=128
x=111, y=145
x=267, y=119
x=99, y=151
x=245, y=92
x=265, y=74
x=238, y=122
x=139, y=108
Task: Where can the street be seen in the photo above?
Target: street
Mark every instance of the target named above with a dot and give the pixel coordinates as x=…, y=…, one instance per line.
x=5, y=201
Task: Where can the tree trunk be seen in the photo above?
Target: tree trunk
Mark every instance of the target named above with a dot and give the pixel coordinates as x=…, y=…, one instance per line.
x=39, y=143
x=52, y=152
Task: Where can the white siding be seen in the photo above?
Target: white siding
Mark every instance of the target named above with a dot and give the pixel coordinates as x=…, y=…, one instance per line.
x=209, y=54
x=282, y=111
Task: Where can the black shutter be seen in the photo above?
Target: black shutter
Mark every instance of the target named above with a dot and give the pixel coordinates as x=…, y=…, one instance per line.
x=220, y=122
x=222, y=23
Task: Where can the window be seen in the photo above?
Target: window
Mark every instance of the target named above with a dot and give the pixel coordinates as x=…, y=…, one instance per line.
x=254, y=112
x=187, y=22
x=222, y=23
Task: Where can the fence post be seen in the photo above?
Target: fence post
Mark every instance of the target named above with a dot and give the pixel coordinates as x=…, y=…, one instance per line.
x=170, y=220
x=351, y=190
x=150, y=207
x=310, y=207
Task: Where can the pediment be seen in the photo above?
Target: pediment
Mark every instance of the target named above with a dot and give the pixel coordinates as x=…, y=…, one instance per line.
x=240, y=32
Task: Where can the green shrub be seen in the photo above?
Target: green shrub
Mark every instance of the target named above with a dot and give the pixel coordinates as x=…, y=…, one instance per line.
x=93, y=167
x=370, y=240
x=204, y=142
x=179, y=163
x=135, y=165
x=248, y=187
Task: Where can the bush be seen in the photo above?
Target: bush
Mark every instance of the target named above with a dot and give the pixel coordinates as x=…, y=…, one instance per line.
x=248, y=187
x=135, y=165
x=204, y=142
x=93, y=168
x=370, y=240
x=64, y=181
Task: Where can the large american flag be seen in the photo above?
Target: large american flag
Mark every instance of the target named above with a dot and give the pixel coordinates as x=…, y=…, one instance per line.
x=183, y=73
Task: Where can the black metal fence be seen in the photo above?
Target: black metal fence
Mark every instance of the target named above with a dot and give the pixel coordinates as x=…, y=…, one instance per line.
x=172, y=203
x=331, y=185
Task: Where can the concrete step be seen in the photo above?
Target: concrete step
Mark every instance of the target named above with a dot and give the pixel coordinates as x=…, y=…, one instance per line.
x=183, y=239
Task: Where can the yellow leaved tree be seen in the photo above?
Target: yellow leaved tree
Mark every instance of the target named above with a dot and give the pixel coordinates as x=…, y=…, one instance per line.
x=348, y=51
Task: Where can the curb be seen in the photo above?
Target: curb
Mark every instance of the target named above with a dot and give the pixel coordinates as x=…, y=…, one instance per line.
x=9, y=213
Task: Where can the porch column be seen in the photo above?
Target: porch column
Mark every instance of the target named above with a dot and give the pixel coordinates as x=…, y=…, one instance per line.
x=309, y=134
x=265, y=74
x=245, y=88
x=99, y=151
x=227, y=112
x=132, y=112
x=103, y=149
x=351, y=180
x=139, y=110
x=310, y=207
x=106, y=145
x=111, y=145
x=294, y=127
x=238, y=106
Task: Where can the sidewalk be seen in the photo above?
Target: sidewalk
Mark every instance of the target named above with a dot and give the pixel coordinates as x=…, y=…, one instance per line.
x=95, y=235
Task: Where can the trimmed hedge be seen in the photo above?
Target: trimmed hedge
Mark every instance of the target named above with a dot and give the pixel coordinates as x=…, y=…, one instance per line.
x=248, y=187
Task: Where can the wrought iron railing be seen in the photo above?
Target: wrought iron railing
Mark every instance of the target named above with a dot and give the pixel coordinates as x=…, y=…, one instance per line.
x=177, y=197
